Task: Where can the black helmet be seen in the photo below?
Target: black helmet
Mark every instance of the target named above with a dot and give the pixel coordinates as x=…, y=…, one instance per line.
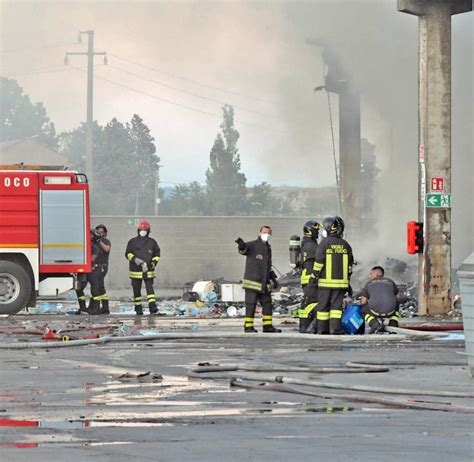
x=311, y=229
x=341, y=224
x=334, y=226
x=103, y=227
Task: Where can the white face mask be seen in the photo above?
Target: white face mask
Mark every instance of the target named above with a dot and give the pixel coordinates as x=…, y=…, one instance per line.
x=143, y=233
x=265, y=237
x=324, y=233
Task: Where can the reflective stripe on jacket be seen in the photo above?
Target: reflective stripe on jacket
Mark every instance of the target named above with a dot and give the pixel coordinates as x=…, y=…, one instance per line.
x=308, y=252
x=333, y=263
x=258, y=272
x=146, y=249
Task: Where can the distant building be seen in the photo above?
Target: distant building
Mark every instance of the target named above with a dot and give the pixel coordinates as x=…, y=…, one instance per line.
x=30, y=153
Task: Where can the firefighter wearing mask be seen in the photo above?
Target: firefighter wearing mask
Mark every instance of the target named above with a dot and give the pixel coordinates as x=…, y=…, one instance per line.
x=143, y=253
x=100, y=267
x=258, y=279
x=332, y=271
x=308, y=252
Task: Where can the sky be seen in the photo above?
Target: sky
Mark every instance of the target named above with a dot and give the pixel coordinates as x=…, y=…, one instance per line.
x=176, y=63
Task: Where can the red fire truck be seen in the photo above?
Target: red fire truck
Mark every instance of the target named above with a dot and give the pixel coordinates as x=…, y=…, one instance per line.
x=44, y=233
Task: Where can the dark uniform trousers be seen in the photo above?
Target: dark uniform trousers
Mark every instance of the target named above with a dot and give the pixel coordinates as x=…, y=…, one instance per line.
x=96, y=279
x=329, y=310
x=370, y=315
x=81, y=297
x=265, y=300
x=308, y=306
x=150, y=294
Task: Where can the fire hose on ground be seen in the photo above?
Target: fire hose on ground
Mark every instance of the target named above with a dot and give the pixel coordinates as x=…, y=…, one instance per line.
x=212, y=335
x=239, y=380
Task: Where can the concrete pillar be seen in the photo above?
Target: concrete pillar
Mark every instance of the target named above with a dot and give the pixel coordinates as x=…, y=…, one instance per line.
x=435, y=146
x=350, y=158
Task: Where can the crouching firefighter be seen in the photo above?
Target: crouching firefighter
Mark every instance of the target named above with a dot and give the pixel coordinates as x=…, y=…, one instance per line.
x=332, y=271
x=258, y=279
x=379, y=301
x=310, y=291
x=143, y=253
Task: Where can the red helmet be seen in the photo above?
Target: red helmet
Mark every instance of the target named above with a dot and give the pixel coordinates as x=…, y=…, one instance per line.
x=144, y=225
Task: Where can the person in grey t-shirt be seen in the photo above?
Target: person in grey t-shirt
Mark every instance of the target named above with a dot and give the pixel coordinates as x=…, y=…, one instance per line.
x=379, y=301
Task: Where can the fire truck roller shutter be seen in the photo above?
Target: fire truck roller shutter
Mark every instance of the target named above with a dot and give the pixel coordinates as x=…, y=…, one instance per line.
x=15, y=287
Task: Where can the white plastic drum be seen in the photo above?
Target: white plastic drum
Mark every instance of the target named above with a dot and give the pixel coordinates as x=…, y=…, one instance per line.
x=203, y=288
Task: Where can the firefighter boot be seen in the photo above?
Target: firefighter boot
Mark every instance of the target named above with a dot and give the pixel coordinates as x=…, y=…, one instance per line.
x=376, y=327
x=248, y=326
x=393, y=323
x=270, y=329
x=105, y=307
x=82, y=306
x=304, y=324
x=94, y=307
x=335, y=327
x=312, y=327
x=153, y=308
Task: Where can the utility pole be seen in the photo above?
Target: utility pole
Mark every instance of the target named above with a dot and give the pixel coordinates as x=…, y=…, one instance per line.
x=90, y=97
x=157, y=192
x=434, y=150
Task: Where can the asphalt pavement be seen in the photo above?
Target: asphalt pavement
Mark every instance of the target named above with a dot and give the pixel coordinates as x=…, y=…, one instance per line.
x=135, y=400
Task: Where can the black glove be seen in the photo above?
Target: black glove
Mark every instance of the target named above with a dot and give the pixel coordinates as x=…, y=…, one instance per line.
x=313, y=282
x=275, y=284
x=241, y=243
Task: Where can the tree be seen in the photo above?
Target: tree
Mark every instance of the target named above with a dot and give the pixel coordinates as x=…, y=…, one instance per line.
x=186, y=199
x=117, y=185
x=225, y=182
x=73, y=145
x=261, y=201
x=20, y=118
x=125, y=166
x=145, y=163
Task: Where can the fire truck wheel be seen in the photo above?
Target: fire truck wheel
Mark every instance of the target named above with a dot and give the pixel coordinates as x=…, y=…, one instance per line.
x=15, y=287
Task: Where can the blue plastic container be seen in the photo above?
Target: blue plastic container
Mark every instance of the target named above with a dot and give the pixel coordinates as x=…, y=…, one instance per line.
x=352, y=319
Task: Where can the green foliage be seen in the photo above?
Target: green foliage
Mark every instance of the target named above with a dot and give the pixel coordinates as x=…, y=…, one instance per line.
x=186, y=199
x=226, y=191
x=125, y=166
x=20, y=118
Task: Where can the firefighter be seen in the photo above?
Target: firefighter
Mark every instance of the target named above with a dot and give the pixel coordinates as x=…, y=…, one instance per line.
x=101, y=266
x=379, y=301
x=81, y=297
x=308, y=251
x=143, y=253
x=332, y=271
x=258, y=279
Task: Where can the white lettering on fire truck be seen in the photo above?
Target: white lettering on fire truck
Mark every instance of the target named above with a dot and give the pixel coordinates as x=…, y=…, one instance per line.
x=16, y=182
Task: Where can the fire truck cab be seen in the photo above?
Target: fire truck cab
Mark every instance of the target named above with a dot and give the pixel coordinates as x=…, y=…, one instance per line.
x=44, y=234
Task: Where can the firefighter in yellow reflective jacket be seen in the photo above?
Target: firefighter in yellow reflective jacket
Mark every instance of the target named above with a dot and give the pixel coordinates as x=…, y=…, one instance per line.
x=332, y=270
x=143, y=253
x=258, y=279
x=308, y=252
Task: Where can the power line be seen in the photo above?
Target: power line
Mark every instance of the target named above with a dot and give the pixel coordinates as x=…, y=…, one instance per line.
x=334, y=154
x=186, y=79
x=47, y=47
x=38, y=71
x=185, y=91
x=183, y=106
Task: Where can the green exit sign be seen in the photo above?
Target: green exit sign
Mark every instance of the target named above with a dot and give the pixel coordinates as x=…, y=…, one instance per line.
x=438, y=200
